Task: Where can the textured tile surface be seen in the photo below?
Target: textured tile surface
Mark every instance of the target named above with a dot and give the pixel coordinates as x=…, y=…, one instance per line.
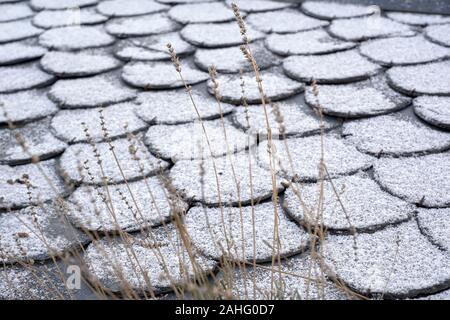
x=110, y=130
x=397, y=261
x=218, y=232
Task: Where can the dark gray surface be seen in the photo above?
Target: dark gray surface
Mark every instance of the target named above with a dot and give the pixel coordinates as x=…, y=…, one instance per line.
x=425, y=6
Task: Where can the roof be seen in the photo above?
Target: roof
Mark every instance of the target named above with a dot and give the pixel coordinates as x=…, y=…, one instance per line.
x=90, y=97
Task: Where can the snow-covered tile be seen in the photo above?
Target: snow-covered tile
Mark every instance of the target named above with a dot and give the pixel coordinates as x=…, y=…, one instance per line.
x=439, y=34
x=332, y=10
x=299, y=278
x=159, y=262
x=306, y=43
x=127, y=51
x=152, y=47
x=18, y=30
x=196, y=180
x=80, y=64
x=395, y=262
x=80, y=163
x=418, y=19
x=160, y=75
x=16, y=52
x=302, y=159
x=136, y=206
x=90, y=92
x=28, y=143
x=159, y=43
x=37, y=233
x=175, y=107
x=422, y=180
x=435, y=223
x=403, y=51
x=346, y=204
x=367, y=98
x=395, y=135
x=232, y=60
x=25, y=106
x=11, y=12
x=258, y=5
x=276, y=87
x=75, y=38
x=189, y=141
x=69, y=125
x=128, y=8
x=41, y=180
x=68, y=64
x=245, y=233
x=204, y=12
x=431, y=78
x=359, y=29
x=214, y=35
x=48, y=19
x=141, y=26
x=293, y=118
x=60, y=4
x=341, y=67
x=284, y=21
x=433, y=110
x=23, y=77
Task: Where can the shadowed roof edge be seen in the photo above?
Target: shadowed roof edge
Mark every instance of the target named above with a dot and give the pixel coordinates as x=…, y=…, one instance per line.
x=422, y=6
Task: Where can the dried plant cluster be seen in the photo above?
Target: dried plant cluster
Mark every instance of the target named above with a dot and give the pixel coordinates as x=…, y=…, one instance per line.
x=155, y=255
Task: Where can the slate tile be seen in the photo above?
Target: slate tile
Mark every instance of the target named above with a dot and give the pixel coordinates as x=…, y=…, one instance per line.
x=244, y=233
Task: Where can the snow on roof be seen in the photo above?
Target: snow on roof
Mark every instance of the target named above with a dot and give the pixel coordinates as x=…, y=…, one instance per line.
x=87, y=84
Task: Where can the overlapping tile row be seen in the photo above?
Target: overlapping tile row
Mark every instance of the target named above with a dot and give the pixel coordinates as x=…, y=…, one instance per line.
x=102, y=147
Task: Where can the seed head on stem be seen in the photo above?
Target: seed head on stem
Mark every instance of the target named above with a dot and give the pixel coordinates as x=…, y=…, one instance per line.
x=315, y=88
x=240, y=22
x=215, y=84
x=174, y=57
